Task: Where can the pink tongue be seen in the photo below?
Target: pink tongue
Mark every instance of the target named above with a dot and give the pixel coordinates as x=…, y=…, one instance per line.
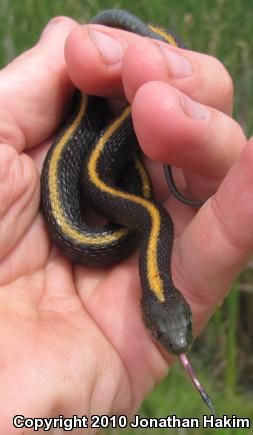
x=188, y=368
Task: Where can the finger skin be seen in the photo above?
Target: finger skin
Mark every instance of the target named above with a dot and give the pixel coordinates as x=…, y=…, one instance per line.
x=143, y=60
x=173, y=129
x=209, y=82
x=219, y=241
x=87, y=67
x=35, y=88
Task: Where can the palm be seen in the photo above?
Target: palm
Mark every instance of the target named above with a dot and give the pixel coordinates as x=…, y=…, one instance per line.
x=60, y=321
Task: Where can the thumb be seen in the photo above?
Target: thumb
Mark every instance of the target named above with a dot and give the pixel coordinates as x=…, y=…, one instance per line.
x=219, y=241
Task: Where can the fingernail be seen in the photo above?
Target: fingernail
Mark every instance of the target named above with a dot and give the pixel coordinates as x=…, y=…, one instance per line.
x=179, y=66
x=109, y=48
x=193, y=108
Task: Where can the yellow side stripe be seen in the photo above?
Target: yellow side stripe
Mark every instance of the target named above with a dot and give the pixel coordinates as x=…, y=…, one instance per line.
x=152, y=267
x=54, y=189
x=167, y=36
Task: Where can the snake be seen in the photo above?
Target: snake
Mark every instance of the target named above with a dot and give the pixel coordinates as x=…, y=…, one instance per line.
x=95, y=161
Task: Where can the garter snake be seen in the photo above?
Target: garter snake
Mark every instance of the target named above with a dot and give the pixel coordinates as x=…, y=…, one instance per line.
x=95, y=160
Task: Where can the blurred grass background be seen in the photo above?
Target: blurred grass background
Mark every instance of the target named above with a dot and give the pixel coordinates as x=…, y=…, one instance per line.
x=223, y=355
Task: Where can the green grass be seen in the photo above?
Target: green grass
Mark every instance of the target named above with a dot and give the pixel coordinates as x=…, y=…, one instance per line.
x=223, y=28
x=176, y=396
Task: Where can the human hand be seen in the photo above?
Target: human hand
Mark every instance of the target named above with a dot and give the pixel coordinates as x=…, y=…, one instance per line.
x=71, y=336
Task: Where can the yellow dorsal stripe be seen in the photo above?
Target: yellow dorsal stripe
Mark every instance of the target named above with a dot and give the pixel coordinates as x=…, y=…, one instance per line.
x=166, y=35
x=146, y=189
x=154, y=279
x=54, y=190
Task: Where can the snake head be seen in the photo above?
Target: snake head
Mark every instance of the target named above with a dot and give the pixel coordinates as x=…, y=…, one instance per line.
x=170, y=322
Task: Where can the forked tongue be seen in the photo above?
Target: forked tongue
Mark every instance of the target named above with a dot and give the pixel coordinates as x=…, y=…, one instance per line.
x=189, y=369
